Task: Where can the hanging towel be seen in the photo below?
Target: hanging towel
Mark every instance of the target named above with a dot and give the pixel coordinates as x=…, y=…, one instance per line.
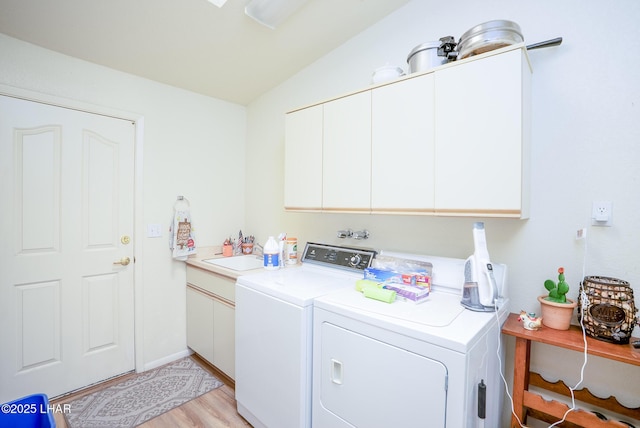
x=182, y=240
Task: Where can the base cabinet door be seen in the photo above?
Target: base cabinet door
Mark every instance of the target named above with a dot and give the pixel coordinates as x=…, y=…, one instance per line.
x=211, y=318
x=199, y=323
x=224, y=337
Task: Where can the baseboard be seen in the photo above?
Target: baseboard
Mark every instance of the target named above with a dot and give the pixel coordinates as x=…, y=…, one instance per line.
x=168, y=359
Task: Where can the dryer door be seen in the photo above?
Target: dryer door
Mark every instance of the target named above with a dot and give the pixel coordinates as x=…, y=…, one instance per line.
x=368, y=383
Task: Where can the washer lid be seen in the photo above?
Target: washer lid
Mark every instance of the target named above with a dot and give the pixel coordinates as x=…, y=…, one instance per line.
x=299, y=285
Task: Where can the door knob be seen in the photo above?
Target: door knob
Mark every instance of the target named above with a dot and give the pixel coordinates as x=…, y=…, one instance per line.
x=123, y=261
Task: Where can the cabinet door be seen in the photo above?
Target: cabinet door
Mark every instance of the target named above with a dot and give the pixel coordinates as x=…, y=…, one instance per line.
x=481, y=131
x=224, y=338
x=200, y=324
x=346, y=156
x=402, y=146
x=303, y=159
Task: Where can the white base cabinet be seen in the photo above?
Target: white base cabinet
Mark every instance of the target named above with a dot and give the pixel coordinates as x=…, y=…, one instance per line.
x=211, y=318
x=453, y=141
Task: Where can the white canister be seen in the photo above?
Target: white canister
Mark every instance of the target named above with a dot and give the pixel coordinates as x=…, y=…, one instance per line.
x=291, y=251
x=424, y=57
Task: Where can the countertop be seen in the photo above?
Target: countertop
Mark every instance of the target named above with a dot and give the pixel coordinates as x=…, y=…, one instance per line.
x=215, y=252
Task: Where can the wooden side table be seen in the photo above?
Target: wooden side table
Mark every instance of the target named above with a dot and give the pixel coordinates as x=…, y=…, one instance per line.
x=528, y=403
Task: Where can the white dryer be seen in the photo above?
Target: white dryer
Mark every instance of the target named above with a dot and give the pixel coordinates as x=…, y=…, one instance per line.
x=431, y=364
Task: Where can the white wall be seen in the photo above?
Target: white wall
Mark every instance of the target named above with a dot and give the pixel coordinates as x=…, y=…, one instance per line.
x=193, y=146
x=585, y=147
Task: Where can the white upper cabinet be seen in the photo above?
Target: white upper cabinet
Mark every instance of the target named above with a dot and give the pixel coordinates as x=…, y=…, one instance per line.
x=346, y=153
x=303, y=159
x=402, y=146
x=482, y=137
x=454, y=142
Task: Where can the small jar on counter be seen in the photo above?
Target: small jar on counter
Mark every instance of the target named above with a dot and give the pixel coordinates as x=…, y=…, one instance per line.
x=291, y=251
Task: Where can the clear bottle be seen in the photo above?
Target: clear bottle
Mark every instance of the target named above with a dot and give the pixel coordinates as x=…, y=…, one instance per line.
x=271, y=253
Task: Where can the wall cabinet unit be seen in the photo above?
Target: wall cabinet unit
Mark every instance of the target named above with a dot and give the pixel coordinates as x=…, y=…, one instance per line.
x=482, y=137
x=346, y=153
x=402, y=146
x=211, y=318
x=303, y=159
x=453, y=141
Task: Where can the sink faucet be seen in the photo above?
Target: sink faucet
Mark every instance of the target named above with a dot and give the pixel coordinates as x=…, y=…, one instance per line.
x=257, y=249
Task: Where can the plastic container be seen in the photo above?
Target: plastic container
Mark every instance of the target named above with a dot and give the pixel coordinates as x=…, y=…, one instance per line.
x=292, y=251
x=31, y=411
x=271, y=254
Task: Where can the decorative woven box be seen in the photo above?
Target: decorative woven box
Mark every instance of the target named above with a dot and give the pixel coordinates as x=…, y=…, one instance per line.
x=611, y=313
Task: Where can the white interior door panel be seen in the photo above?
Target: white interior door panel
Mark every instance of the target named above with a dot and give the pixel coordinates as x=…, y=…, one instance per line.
x=66, y=289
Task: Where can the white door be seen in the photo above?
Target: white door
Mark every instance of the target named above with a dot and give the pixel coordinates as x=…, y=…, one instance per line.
x=66, y=217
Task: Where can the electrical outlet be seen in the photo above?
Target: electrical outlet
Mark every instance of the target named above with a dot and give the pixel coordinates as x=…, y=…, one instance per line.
x=602, y=213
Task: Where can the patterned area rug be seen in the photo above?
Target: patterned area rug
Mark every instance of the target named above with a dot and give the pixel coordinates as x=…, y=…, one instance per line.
x=143, y=397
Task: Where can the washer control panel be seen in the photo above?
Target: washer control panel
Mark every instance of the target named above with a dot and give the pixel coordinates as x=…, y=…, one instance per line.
x=349, y=258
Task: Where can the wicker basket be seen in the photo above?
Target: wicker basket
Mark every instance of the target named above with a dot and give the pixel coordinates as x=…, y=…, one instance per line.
x=611, y=313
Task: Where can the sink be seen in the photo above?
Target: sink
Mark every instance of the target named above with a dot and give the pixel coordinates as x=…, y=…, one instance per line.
x=238, y=263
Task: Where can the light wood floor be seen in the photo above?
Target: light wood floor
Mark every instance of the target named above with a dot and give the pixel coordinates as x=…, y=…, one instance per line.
x=214, y=409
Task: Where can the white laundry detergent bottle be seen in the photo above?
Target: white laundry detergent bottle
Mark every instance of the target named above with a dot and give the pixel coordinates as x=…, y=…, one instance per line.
x=271, y=254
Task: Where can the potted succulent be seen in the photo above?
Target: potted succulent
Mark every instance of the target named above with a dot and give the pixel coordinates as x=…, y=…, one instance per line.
x=556, y=309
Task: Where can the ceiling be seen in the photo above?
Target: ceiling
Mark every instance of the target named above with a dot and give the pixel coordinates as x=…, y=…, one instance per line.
x=192, y=44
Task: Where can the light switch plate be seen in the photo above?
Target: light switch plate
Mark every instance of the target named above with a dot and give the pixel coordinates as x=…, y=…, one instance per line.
x=154, y=230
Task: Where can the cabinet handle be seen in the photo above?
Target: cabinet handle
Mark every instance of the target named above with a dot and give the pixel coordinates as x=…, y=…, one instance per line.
x=336, y=372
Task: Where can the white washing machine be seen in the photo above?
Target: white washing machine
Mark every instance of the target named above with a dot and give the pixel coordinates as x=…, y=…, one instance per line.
x=431, y=364
x=274, y=326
